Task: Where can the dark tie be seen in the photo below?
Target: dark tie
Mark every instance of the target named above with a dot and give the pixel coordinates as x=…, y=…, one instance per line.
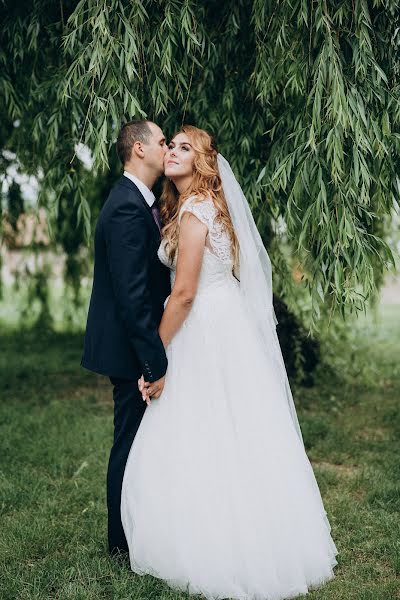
x=156, y=216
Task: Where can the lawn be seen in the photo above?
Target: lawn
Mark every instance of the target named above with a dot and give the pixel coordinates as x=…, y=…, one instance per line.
x=55, y=435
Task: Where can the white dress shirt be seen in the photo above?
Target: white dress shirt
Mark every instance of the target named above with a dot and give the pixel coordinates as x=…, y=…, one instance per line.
x=147, y=194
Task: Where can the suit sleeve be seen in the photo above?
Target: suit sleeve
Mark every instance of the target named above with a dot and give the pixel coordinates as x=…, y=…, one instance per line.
x=127, y=251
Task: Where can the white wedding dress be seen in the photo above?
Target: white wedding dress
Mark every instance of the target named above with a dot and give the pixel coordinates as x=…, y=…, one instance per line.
x=219, y=496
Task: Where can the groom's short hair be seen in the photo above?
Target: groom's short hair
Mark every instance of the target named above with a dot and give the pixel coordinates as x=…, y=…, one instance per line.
x=131, y=132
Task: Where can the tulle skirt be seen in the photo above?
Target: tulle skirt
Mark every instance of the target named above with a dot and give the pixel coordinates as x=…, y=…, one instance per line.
x=219, y=497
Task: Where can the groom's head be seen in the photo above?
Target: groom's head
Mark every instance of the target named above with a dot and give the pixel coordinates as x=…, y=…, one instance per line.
x=141, y=146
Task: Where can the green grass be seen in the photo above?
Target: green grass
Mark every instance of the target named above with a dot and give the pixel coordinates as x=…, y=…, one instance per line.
x=55, y=435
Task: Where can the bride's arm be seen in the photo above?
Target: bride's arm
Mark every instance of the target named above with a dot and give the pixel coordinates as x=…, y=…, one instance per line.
x=192, y=237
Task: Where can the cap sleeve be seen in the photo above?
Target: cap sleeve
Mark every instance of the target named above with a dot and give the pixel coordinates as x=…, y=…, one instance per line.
x=203, y=209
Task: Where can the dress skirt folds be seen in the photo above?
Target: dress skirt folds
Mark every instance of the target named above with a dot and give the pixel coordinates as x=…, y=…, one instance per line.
x=219, y=497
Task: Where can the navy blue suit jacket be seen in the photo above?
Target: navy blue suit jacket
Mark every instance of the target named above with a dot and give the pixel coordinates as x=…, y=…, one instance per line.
x=130, y=286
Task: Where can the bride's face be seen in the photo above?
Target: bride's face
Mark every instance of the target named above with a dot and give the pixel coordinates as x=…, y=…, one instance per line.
x=179, y=158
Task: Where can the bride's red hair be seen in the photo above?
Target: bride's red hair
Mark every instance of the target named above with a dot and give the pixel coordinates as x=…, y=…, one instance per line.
x=206, y=183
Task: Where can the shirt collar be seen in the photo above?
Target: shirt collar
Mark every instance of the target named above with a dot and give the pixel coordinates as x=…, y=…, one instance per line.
x=147, y=194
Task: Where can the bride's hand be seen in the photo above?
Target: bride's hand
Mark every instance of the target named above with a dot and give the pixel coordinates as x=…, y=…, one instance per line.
x=143, y=388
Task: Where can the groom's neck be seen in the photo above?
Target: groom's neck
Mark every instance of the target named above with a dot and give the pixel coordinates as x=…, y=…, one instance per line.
x=141, y=173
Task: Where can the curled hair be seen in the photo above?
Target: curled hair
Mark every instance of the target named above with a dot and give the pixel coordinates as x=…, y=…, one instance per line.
x=206, y=183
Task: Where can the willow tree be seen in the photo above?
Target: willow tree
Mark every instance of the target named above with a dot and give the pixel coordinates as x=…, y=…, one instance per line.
x=303, y=98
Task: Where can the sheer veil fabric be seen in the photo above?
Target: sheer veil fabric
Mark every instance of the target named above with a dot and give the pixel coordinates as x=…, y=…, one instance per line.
x=255, y=276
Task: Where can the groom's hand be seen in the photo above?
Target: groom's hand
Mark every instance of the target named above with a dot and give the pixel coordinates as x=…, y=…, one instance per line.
x=151, y=390
x=155, y=388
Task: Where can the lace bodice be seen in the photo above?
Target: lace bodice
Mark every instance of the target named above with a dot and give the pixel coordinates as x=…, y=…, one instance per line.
x=217, y=260
x=218, y=240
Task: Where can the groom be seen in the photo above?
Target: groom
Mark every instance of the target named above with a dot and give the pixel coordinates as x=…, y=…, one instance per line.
x=130, y=286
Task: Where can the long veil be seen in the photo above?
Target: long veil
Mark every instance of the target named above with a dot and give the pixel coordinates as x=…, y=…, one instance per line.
x=255, y=276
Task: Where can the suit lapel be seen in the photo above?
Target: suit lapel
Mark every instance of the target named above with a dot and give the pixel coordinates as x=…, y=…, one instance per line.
x=124, y=181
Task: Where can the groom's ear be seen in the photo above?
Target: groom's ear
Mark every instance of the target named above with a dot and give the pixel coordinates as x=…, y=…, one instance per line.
x=137, y=149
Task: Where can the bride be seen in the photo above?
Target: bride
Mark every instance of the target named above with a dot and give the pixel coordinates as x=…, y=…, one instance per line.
x=219, y=497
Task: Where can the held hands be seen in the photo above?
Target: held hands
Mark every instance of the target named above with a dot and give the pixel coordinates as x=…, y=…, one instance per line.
x=150, y=390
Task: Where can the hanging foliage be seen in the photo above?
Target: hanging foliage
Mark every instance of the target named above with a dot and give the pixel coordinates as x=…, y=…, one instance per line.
x=303, y=98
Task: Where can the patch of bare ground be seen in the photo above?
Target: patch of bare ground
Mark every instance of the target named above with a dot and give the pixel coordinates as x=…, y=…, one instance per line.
x=346, y=470
x=102, y=393
x=373, y=434
x=96, y=386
